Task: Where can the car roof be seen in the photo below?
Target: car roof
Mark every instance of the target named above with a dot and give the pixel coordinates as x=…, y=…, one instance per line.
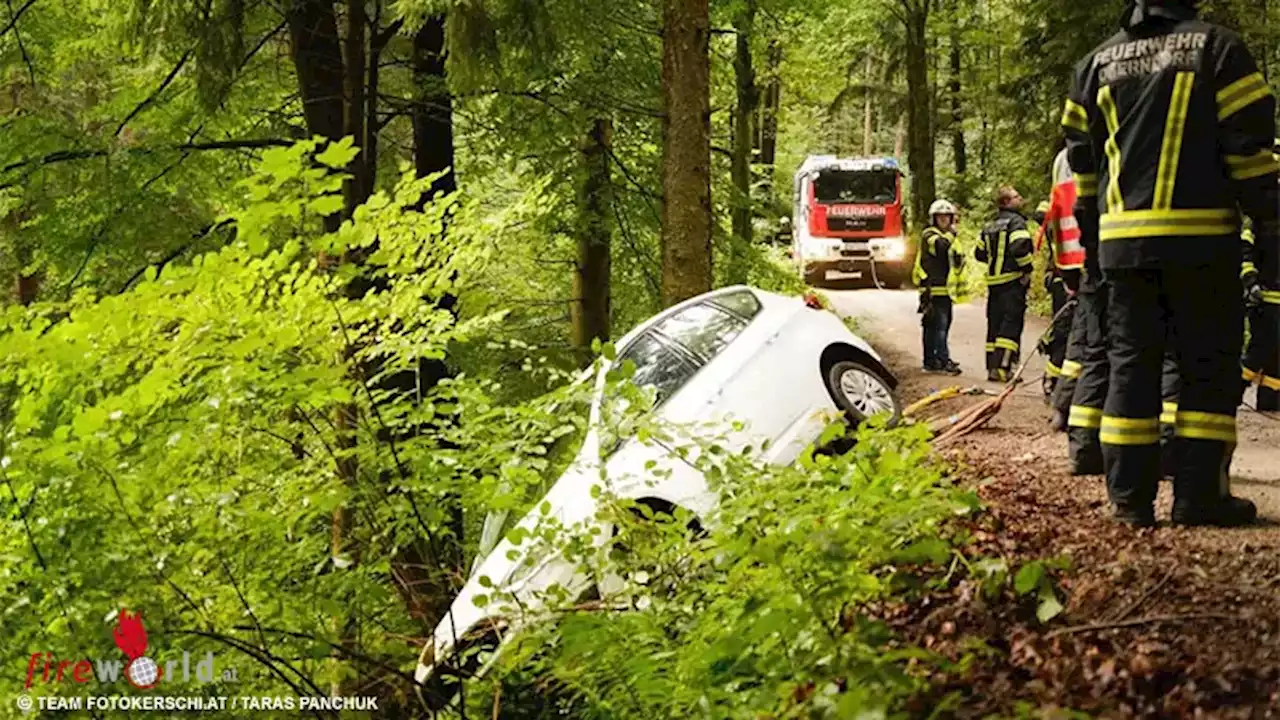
x=763, y=296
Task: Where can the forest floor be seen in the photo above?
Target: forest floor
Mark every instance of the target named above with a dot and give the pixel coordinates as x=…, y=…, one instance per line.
x=1167, y=622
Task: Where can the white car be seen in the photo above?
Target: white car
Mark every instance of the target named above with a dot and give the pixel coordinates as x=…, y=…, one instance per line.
x=779, y=366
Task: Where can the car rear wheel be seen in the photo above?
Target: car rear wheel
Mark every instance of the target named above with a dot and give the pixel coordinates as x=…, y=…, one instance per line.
x=862, y=392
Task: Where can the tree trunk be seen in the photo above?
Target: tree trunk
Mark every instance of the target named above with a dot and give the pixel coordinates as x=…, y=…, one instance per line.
x=28, y=283
x=772, y=102
x=360, y=185
x=317, y=60
x=957, y=114
x=745, y=81
x=686, y=150
x=920, y=157
x=433, y=107
x=426, y=572
x=590, y=312
x=900, y=136
x=868, y=82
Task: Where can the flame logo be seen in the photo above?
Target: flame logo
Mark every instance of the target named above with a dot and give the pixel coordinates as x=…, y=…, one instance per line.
x=130, y=635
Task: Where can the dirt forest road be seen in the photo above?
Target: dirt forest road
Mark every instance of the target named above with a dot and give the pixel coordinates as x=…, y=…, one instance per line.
x=1169, y=622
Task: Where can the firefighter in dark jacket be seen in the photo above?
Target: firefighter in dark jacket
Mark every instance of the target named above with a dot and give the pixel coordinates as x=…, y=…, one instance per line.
x=1006, y=248
x=1172, y=120
x=1261, y=364
x=935, y=260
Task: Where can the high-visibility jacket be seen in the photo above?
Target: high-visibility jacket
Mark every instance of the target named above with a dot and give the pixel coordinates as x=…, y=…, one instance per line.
x=935, y=261
x=1006, y=247
x=1061, y=228
x=1170, y=126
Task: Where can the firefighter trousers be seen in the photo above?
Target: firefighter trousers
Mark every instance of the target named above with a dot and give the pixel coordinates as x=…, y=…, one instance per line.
x=1261, y=364
x=1071, y=367
x=1006, y=313
x=1206, y=338
x=1060, y=335
x=1089, y=394
x=936, y=324
x=1170, y=384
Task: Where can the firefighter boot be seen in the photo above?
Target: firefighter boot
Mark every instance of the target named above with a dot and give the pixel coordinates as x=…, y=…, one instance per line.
x=1225, y=510
x=1085, y=451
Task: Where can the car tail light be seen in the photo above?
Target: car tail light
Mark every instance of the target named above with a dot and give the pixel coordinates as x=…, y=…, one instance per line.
x=811, y=300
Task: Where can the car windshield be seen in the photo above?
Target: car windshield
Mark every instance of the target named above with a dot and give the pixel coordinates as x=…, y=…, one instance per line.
x=856, y=186
x=703, y=329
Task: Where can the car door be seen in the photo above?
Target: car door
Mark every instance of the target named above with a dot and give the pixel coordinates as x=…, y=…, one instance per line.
x=647, y=468
x=750, y=368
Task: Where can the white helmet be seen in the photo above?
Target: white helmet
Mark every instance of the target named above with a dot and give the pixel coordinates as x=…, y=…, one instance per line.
x=941, y=207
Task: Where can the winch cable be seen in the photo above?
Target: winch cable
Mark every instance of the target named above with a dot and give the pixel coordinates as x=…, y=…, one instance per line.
x=979, y=414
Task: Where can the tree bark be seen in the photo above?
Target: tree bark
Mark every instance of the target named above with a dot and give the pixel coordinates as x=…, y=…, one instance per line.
x=745, y=81
x=868, y=83
x=686, y=150
x=426, y=572
x=958, y=149
x=317, y=60
x=360, y=185
x=590, y=312
x=772, y=102
x=920, y=157
x=27, y=283
x=433, y=107
x=900, y=136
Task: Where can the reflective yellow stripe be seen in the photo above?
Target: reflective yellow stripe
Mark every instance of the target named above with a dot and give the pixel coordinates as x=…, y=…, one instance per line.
x=940, y=291
x=1007, y=344
x=1071, y=369
x=1052, y=370
x=1129, y=431
x=1206, y=426
x=1170, y=223
x=1246, y=235
x=1249, y=375
x=1244, y=167
x=1240, y=94
x=1175, y=124
x=1003, y=278
x=1270, y=383
x=1115, y=201
x=1025, y=260
x=1019, y=235
x=1085, y=417
x=1169, y=414
x=1246, y=268
x=1271, y=297
x=1002, y=240
x=1074, y=116
x=1086, y=185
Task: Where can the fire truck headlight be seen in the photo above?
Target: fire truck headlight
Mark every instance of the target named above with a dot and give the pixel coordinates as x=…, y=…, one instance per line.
x=893, y=248
x=820, y=248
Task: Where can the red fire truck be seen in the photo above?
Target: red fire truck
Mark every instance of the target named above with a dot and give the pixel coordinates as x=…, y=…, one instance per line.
x=848, y=220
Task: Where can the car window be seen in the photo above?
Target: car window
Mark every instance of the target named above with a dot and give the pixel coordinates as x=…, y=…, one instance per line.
x=657, y=366
x=659, y=369
x=703, y=329
x=743, y=303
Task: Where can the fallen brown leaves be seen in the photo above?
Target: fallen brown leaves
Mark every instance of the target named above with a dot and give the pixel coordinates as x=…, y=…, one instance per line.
x=1158, y=623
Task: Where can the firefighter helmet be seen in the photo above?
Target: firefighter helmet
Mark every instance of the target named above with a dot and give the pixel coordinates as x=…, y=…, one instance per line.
x=941, y=207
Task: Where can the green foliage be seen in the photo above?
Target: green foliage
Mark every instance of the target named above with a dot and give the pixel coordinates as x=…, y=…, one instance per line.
x=178, y=448
x=767, y=613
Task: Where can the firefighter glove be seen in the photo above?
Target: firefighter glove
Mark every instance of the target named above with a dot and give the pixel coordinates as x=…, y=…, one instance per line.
x=1253, y=295
x=926, y=302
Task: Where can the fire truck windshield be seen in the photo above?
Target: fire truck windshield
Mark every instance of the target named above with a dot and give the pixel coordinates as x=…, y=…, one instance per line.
x=854, y=186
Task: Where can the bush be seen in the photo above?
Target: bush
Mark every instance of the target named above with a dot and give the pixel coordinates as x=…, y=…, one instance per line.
x=761, y=616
